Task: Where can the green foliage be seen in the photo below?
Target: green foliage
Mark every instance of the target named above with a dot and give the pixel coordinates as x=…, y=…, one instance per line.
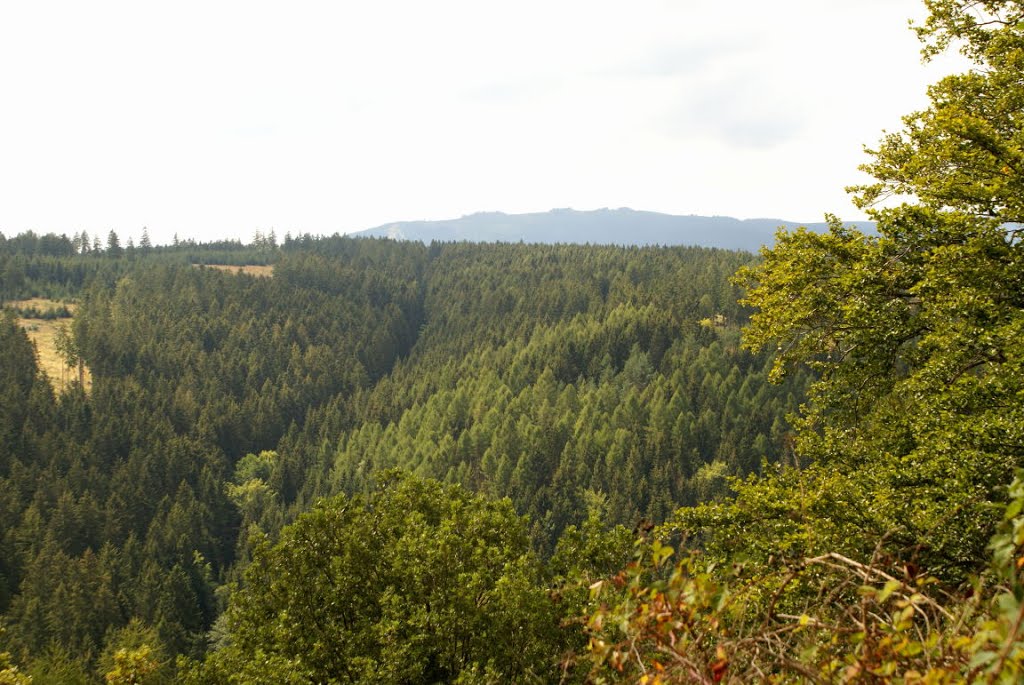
x=134, y=654
x=817, y=619
x=965, y=151
x=58, y=666
x=132, y=667
x=255, y=467
x=9, y=672
x=864, y=560
x=916, y=335
x=419, y=583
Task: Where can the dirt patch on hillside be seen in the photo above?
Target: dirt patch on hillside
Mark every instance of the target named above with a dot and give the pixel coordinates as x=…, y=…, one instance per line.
x=261, y=270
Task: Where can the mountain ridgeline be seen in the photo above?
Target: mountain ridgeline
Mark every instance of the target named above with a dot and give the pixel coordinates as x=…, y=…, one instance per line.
x=599, y=227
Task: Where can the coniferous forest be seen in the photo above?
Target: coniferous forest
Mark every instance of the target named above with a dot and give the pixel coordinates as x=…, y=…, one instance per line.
x=536, y=385
x=358, y=460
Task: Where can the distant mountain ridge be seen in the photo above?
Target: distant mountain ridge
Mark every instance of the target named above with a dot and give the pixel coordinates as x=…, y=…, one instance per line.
x=601, y=226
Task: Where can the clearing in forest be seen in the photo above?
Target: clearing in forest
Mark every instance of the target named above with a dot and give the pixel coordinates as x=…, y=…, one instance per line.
x=37, y=317
x=261, y=270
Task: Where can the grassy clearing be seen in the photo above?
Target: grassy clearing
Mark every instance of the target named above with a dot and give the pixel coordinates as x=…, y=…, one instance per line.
x=261, y=270
x=43, y=332
x=40, y=304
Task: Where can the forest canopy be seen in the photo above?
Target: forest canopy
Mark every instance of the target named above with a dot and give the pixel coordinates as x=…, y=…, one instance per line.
x=582, y=390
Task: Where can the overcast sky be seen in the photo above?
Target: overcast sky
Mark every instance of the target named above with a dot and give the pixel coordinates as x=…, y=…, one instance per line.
x=216, y=119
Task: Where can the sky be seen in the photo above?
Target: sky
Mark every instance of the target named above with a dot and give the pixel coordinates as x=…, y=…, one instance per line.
x=215, y=119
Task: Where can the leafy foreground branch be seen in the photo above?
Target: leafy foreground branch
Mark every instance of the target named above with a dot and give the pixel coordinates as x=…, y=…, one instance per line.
x=907, y=439
x=826, y=619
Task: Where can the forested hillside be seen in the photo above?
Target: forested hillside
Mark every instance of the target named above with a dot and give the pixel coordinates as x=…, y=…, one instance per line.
x=567, y=379
x=393, y=462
